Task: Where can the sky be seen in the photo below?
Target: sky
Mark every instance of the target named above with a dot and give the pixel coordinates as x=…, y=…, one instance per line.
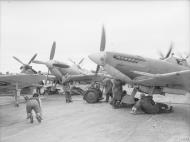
x=132, y=27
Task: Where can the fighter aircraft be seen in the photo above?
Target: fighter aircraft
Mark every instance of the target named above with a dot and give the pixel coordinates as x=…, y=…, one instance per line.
x=27, y=78
x=60, y=69
x=64, y=72
x=146, y=75
x=180, y=59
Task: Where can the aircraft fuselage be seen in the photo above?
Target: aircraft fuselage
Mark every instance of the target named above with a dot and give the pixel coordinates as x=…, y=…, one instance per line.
x=126, y=64
x=61, y=72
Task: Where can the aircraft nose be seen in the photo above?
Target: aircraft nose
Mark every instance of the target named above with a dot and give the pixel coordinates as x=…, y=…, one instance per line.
x=98, y=58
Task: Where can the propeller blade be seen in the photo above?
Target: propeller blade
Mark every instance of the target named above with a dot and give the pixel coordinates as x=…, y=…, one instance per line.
x=169, y=51
x=32, y=59
x=72, y=61
x=103, y=40
x=161, y=55
x=81, y=61
x=97, y=69
x=52, y=51
x=61, y=65
x=47, y=77
x=18, y=60
x=39, y=62
x=187, y=56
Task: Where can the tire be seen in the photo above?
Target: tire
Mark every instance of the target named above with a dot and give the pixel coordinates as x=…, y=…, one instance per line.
x=92, y=96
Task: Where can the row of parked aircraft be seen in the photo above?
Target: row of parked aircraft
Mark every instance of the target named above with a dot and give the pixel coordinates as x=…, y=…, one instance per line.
x=168, y=74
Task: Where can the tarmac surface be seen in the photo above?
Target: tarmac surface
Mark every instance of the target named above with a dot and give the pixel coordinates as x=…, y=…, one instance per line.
x=82, y=122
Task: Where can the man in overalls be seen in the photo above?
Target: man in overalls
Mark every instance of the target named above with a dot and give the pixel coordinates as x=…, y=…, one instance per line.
x=33, y=103
x=108, y=89
x=147, y=105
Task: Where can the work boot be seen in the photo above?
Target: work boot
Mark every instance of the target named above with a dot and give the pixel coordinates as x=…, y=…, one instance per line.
x=170, y=109
x=39, y=118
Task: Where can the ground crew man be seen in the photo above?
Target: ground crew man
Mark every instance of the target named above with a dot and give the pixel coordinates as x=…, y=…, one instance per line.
x=128, y=100
x=147, y=105
x=66, y=88
x=117, y=91
x=108, y=89
x=33, y=103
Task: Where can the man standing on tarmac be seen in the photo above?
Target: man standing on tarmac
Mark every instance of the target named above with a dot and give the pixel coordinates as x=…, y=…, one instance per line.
x=66, y=89
x=117, y=91
x=108, y=89
x=147, y=105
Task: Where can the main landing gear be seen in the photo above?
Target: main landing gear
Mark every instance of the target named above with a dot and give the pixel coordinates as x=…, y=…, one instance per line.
x=93, y=95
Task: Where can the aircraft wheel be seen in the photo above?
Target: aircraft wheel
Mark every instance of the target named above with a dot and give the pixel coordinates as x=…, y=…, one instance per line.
x=91, y=96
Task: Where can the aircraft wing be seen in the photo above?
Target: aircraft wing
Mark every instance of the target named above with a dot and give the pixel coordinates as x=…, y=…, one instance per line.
x=178, y=79
x=23, y=80
x=85, y=78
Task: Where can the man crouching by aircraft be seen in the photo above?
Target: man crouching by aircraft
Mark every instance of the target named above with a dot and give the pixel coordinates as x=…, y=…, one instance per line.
x=147, y=105
x=33, y=103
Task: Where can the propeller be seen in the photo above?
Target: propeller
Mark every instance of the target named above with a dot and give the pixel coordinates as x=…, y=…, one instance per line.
x=78, y=65
x=102, y=46
x=52, y=53
x=162, y=57
x=169, y=51
x=26, y=66
x=48, y=63
x=183, y=57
